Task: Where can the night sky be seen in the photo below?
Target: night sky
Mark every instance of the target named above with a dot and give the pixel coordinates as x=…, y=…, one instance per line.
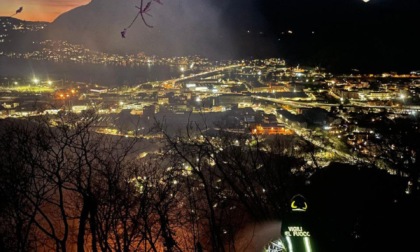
x=380, y=35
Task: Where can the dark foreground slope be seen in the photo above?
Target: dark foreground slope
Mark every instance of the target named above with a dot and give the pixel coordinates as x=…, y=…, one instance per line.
x=362, y=209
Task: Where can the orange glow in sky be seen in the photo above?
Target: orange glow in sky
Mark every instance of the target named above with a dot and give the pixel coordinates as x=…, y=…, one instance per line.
x=38, y=10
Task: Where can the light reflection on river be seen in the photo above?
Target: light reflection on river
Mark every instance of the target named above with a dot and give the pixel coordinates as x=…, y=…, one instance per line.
x=90, y=73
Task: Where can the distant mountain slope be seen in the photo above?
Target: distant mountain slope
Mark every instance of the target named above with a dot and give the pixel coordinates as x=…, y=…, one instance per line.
x=180, y=27
x=17, y=35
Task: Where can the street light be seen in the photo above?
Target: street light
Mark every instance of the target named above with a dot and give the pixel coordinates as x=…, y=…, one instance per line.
x=35, y=80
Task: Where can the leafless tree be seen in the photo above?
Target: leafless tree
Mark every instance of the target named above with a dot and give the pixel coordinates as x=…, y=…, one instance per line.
x=233, y=173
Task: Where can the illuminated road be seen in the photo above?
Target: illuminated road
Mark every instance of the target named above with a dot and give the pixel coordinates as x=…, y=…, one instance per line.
x=350, y=158
x=296, y=103
x=318, y=104
x=191, y=76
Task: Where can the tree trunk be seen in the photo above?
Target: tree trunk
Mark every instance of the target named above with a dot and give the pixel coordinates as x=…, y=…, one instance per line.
x=82, y=226
x=92, y=222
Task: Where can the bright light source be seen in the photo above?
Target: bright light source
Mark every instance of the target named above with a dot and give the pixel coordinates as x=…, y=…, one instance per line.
x=35, y=80
x=49, y=82
x=307, y=242
x=289, y=243
x=366, y=1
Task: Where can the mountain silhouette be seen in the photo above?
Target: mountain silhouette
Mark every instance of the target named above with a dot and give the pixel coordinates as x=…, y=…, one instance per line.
x=339, y=35
x=184, y=27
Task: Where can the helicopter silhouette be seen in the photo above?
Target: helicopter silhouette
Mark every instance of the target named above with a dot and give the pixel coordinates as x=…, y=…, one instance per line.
x=18, y=11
